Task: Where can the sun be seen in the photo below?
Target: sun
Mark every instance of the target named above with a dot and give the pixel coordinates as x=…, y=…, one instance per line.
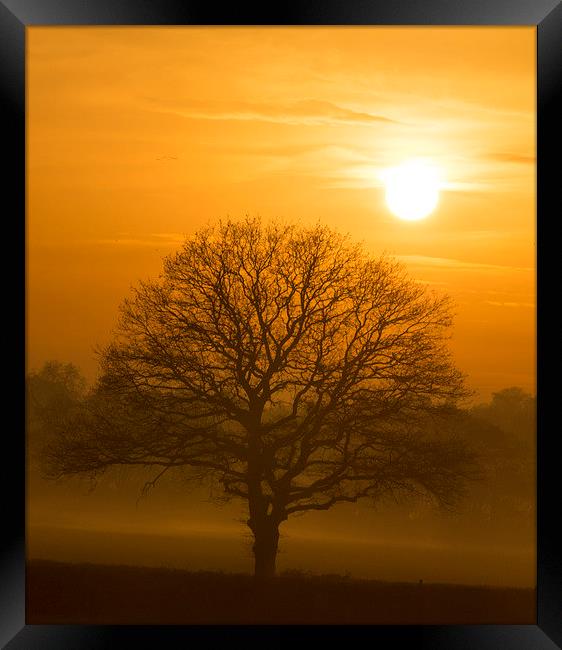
x=412, y=189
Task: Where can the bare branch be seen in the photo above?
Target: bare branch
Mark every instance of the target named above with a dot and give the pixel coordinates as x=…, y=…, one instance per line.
x=285, y=363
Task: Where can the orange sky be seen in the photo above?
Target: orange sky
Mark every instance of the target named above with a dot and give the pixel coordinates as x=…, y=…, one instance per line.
x=139, y=136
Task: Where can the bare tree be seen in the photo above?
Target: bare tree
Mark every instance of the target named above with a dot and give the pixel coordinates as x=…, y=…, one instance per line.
x=287, y=364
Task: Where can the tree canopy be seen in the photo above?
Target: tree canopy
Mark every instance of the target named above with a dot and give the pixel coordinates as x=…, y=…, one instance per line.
x=287, y=364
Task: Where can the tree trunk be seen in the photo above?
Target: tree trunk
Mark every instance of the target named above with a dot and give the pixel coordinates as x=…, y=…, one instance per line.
x=266, y=542
x=265, y=516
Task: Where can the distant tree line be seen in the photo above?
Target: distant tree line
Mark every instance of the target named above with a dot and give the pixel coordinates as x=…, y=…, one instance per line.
x=503, y=431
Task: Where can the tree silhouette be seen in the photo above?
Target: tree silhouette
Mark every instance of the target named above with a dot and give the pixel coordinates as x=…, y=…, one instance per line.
x=53, y=393
x=286, y=364
x=505, y=432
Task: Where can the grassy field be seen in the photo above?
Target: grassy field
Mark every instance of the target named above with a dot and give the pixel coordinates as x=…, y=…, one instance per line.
x=399, y=559
x=64, y=593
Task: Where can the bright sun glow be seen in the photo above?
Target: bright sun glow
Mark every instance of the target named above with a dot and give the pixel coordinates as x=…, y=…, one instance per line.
x=412, y=189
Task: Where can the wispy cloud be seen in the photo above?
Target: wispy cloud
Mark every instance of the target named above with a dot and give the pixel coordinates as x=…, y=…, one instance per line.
x=450, y=263
x=495, y=303
x=511, y=158
x=165, y=239
x=276, y=150
x=305, y=111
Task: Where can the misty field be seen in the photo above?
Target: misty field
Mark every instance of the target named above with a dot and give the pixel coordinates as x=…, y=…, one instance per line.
x=62, y=593
x=397, y=557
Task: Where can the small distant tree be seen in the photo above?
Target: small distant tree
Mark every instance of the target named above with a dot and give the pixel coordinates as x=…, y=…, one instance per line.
x=514, y=411
x=286, y=364
x=53, y=394
x=505, y=432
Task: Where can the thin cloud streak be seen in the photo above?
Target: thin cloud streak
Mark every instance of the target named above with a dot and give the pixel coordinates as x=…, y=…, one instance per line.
x=150, y=240
x=307, y=112
x=445, y=262
x=495, y=303
x=511, y=158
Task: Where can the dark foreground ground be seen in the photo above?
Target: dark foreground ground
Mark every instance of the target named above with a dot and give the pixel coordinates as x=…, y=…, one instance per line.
x=94, y=594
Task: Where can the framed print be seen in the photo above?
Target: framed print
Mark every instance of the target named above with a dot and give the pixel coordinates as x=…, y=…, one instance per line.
x=285, y=375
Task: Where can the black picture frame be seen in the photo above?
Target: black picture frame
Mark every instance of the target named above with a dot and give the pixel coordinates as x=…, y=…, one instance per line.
x=15, y=16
